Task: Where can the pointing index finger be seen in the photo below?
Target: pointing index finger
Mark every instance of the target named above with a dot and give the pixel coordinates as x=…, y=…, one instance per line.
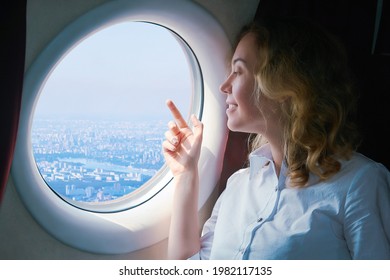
x=176, y=114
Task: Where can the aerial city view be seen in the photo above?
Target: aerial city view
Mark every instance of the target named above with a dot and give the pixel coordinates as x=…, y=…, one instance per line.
x=101, y=117
x=94, y=161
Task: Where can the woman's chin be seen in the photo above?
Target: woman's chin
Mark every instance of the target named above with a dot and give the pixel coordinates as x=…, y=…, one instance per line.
x=232, y=126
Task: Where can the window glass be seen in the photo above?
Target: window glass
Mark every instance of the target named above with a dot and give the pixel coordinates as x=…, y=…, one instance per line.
x=100, y=118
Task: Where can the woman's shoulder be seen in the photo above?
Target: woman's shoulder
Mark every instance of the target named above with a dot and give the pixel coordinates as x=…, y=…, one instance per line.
x=359, y=163
x=362, y=172
x=356, y=172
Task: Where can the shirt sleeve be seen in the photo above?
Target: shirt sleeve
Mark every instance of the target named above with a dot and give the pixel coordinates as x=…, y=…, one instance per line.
x=208, y=234
x=367, y=214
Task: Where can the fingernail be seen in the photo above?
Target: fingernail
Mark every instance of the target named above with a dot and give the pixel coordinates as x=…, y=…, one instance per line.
x=174, y=141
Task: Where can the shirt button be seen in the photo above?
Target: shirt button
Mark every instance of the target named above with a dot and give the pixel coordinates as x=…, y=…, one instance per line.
x=259, y=220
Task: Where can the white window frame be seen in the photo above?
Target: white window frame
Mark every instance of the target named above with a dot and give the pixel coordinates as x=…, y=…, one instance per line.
x=143, y=220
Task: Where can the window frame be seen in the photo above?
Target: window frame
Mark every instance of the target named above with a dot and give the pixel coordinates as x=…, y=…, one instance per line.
x=163, y=177
x=134, y=228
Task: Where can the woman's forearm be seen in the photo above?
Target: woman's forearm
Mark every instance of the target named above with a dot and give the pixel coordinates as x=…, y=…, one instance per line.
x=184, y=238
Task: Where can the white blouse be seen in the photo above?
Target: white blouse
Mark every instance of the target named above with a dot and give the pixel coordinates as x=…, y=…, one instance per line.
x=259, y=216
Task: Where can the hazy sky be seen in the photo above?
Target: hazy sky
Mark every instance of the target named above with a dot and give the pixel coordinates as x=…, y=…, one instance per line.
x=124, y=71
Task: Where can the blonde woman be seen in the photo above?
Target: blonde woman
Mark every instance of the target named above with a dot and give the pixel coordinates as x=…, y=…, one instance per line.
x=307, y=193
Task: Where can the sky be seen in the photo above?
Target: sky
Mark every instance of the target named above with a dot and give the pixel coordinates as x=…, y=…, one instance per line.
x=125, y=71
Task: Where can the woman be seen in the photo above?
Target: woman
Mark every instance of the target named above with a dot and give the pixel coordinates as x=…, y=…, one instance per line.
x=307, y=194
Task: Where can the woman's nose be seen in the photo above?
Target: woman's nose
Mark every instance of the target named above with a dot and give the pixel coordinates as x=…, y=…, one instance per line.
x=225, y=87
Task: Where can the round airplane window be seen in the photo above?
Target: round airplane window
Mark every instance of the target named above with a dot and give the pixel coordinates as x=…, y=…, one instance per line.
x=100, y=118
x=87, y=162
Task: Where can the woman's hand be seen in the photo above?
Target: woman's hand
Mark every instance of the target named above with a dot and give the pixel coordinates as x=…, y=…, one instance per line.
x=182, y=145
x=181, y=151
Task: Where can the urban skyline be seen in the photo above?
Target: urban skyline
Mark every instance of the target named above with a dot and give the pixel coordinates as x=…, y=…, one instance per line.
x=97, y=160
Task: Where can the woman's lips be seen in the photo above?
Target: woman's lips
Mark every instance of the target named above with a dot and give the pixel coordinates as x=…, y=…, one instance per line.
x=230, y=107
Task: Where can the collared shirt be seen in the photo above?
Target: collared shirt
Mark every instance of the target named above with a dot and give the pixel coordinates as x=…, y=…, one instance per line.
x=259, y=216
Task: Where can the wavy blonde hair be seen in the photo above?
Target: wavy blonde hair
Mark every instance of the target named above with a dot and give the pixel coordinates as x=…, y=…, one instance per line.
x=302, y=65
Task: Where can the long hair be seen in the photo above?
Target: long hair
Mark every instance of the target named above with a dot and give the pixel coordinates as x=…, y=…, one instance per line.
x=304, y=66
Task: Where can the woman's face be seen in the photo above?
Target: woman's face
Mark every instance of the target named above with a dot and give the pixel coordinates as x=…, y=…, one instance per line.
x=243, y=113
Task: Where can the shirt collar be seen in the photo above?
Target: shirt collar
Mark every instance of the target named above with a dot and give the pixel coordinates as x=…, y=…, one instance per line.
x=259, y=158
